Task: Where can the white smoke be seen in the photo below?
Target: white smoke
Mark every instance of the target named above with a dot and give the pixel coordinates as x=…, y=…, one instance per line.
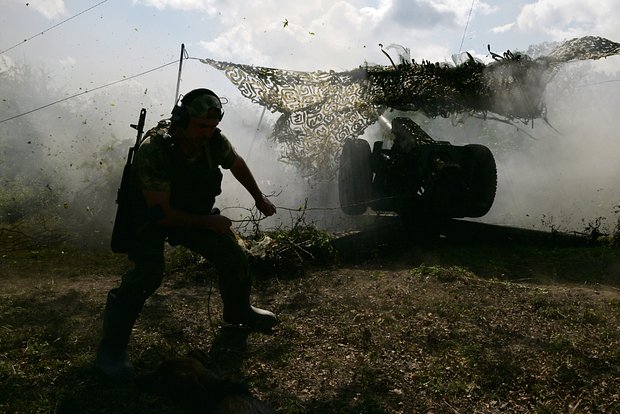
x=562, y=175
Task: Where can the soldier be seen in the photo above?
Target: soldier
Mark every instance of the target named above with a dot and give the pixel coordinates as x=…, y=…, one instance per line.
x=176, y=178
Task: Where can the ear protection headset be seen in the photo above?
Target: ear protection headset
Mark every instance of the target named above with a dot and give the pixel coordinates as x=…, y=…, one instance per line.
x=181, y=115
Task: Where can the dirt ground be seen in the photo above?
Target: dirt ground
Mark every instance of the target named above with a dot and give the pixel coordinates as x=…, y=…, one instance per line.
x=456, y=325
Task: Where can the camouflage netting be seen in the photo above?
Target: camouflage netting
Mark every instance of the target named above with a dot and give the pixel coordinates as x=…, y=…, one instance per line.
x=319, y=110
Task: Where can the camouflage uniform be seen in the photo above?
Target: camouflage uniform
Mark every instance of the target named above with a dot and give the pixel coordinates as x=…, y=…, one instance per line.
x=160, y=165
x=193, y=184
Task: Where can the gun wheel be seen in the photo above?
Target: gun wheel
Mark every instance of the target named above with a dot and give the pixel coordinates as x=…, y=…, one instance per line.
x=482, y=172
x=355, y=176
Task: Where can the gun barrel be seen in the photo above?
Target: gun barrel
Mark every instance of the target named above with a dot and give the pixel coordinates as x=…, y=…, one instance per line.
x=141, y=121
x=140, y=128
x=386, y=123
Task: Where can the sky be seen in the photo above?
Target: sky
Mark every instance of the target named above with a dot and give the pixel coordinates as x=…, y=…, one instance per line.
x=120, y=38
x=117, y=39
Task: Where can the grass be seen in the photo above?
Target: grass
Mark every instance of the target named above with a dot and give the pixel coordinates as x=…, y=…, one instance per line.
x=441, y=327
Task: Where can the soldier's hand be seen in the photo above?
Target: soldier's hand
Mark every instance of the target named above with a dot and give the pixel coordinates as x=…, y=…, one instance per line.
x=265, y=206
x=218, y=223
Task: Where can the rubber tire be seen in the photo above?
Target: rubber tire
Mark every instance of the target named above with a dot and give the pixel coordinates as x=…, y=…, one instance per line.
x=480, y=164
x=355, y=176
x=447, y=194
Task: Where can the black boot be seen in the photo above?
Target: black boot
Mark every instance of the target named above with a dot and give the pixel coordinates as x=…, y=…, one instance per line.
x=237, y=308
x=118, y=320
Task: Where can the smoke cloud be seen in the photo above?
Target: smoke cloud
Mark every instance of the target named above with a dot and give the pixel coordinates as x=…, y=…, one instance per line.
x=562, y=174
x=64, y=162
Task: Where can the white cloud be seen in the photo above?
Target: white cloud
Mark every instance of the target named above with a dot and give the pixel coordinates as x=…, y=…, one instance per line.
x=326, y=35
x=67, y=61
x=6, y=63
x=48, y=8
x=207, y=6
x=274, y=33
x=571, y=18
x=503, y=29
x=236, y=41
x=458, y=8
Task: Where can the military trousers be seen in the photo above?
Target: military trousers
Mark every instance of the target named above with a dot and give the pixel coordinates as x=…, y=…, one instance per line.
x=222, y=250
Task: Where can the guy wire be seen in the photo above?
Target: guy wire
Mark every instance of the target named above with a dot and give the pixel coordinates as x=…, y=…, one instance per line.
x=87, y=91
x=466, y=25
x=53, y=27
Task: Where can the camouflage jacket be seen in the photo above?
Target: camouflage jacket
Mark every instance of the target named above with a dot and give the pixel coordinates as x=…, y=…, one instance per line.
x=160, y=165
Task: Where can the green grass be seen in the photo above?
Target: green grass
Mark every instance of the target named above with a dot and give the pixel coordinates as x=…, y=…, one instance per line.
x=443, y=328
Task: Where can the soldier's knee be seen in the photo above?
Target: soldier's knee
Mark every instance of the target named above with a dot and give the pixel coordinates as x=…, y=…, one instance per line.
x=141, y=282
x=231, y=260
x=154, y=279
x=231, y=246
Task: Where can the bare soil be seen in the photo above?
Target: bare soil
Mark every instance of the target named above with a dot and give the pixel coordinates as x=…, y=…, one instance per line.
x=513, y=323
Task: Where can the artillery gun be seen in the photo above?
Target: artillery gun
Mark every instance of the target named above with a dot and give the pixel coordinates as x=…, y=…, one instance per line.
x=417, y=177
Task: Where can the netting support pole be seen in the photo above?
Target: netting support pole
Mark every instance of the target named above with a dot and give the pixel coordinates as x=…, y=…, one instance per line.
x=176, y=95
x=260, y=121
